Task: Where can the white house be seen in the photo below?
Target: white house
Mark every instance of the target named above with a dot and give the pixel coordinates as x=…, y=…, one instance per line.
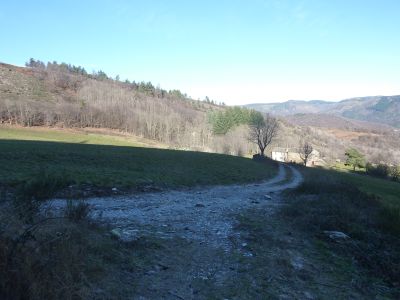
x=280, y=154
x=292, y=155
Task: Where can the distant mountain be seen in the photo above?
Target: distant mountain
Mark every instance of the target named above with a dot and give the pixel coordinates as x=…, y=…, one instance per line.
x=292, y=107
x=328, y=121
x=377, y=109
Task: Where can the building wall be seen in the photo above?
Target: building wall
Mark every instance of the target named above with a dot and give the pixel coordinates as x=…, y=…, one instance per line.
x=278, y=156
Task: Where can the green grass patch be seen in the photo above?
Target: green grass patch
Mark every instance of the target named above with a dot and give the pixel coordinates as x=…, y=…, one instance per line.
x=347, y=168
x=111, y=162
x=387, y=190
x=58, y=135
x=385, y=193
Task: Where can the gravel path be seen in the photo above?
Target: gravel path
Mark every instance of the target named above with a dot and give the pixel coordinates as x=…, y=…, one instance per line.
x=203, y=214
x=196, y=230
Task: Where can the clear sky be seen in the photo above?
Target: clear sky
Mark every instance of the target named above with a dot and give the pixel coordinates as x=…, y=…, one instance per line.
x=235, y=51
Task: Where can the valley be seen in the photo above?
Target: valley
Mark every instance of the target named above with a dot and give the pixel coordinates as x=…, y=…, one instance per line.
x=197, y=150
x=140, y=179
x=73, y=100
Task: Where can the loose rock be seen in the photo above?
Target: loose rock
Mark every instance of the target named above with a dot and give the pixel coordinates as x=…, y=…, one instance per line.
x=336, y=235
x=125, y=235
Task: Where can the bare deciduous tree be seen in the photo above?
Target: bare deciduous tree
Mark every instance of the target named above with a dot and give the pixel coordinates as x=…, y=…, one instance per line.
x=262, y=131
x=305, y=151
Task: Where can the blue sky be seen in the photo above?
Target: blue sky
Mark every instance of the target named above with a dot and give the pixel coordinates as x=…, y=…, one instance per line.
x=235, y=51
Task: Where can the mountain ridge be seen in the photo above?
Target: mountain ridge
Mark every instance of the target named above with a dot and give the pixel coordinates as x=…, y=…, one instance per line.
x=376, y=109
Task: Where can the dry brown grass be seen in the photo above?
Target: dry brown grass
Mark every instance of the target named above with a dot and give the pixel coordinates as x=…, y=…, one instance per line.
x=349, y=134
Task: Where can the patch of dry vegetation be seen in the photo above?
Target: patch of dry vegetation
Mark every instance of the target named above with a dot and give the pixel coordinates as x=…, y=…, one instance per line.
x=292, y=256
x=58, y=257
x=377, y=145
x=325, y=203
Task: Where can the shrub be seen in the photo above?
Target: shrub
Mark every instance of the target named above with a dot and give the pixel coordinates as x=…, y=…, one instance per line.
x=29, y=195
x=52, y=258
x=395, y=173
x=77, y=211
x=380, y=170
x=49, y=263
x=44, y=185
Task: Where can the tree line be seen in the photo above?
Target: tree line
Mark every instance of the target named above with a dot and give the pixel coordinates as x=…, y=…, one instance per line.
x=141, y=86
x=224, y=120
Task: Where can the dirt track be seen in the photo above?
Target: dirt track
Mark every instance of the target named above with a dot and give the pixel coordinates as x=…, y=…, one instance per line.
x=197, y=230
x=202, y=214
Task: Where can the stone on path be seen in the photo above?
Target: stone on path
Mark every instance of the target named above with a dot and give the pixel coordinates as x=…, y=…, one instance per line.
x=336, y=235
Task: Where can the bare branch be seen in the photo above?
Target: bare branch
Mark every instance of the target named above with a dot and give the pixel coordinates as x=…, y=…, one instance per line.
x=262, y=132
x=305, y=151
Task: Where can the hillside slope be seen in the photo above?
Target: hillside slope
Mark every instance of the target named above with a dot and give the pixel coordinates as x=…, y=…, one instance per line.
x=103, y=162
x=380, y=109
x=324, y=120
x=54, y=96
x=62, y=95
x=65, y=96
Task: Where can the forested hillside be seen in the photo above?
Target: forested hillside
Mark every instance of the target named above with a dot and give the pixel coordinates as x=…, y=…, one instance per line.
x=64, y=95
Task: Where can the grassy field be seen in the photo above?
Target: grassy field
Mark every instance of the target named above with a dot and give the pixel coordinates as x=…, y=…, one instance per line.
x=388, y=190
x=385, y=193
x=68, y=136
x=112, y=161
